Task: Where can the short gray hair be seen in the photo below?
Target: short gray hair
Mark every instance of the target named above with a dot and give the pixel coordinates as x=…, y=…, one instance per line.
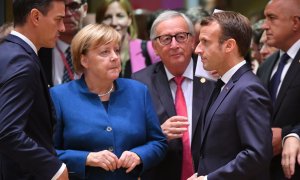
x=166, y=15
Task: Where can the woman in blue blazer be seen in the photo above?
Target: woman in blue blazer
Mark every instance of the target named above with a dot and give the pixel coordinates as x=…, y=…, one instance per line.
x=106, y=127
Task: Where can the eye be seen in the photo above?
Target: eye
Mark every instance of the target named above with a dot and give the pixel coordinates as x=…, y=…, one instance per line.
x=104, y=53
x=117, y=51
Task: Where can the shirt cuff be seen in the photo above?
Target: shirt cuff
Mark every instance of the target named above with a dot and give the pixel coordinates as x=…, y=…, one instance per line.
x=59, y=172
x=205, y=177
x=290, y=135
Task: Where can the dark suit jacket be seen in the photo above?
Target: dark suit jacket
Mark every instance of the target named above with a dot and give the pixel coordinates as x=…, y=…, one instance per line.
x=45, y=55
x=26, y=119
x=286, y=112
x=155, y=78
x=236, y=140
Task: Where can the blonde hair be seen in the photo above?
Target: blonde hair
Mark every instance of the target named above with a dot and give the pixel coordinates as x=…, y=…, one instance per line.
x=125, y=4
x=90, y=37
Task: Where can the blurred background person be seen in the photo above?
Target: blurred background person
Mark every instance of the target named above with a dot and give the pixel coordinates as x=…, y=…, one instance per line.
x=57, y=62
x=196, y=14
x=256, y=58
x=107, y=127
x=265, y=50
x=5, y=29
x=172, y=35
x=135, y=53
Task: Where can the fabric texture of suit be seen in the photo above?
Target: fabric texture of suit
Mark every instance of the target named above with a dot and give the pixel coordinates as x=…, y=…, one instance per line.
x=156, y=79
x=26, y=119
x=286, y=112
x=45, y=55
x=84, y=125
x=236, y=140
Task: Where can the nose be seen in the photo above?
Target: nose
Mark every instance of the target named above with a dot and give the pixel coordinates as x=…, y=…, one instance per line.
x=114, y=21
x=198, y=49
x=61, y=27
x=265, y=25
x=173, y=43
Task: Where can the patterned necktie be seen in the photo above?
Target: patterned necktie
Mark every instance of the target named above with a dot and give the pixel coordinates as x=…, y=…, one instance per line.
x=180, y=106
x=275, y=80
x=67, y=76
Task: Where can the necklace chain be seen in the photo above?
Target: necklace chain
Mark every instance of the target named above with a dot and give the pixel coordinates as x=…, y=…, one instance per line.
x=108, y=92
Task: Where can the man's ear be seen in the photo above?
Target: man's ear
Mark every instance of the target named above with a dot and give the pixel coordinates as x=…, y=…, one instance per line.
x=154, y=45
x=230, y=44
x=34, y=16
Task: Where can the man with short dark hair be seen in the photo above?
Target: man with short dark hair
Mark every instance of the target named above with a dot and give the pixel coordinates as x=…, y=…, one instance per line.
x=236, y=138
x=26, y=116
x=57, y=62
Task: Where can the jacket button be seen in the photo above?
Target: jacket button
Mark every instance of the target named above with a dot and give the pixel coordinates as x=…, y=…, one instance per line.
x=108, y=129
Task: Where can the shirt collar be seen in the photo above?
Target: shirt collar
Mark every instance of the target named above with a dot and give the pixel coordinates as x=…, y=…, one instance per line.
x=292, y=52
x=226, y=77
x=24, y=38
x=62, y=45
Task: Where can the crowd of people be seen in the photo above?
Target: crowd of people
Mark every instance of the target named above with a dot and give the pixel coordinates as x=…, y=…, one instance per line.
x=96, y=102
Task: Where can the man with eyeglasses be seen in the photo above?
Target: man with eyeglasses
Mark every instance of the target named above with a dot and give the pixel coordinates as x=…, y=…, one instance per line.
x=178, y=106
x=57, y=62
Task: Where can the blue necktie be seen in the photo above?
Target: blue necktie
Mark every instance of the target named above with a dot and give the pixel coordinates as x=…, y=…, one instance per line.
x=275, y=80
x=215, y=94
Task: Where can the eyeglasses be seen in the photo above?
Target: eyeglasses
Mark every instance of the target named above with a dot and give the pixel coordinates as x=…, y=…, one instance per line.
x=73, y=6
x=167, y=39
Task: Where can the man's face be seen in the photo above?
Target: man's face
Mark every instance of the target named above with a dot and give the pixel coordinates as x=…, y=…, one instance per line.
x=174, y=55
x=209, y=48
x=51, y=24
x=278, y=24
x=75, y=12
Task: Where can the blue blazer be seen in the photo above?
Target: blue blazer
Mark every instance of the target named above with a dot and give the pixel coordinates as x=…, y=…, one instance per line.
x=84, y=126
x=26, y=120
x=236, y=139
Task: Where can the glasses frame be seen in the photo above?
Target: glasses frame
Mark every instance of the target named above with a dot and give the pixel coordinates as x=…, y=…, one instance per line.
x=173, y=36
x=72, y=10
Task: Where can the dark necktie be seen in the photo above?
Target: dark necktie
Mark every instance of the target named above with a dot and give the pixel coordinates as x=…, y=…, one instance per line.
x=187, y=169
x=215, y=93
x=275, y=80
x=67, y=76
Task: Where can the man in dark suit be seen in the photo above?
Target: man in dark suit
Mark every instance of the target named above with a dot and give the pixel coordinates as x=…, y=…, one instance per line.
x=236, y=138
x=282, y=26
x=57, y=61
x=26, y=119
x=172, y=37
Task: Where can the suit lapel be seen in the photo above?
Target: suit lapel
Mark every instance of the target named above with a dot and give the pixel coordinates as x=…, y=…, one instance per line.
x=36, y=60
x=288, y=79
x=218, y=102
x=161, y=84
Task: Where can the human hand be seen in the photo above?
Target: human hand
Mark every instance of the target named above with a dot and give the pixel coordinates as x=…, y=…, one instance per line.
x=129, y=160
x=290, y=154
x=104, y=159
x=276, y=141
x=194, y=177
x=64, y=175
x=174, y=127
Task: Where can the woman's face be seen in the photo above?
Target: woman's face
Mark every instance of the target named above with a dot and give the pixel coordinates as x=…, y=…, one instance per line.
x=102, y=62
x=117, y=17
